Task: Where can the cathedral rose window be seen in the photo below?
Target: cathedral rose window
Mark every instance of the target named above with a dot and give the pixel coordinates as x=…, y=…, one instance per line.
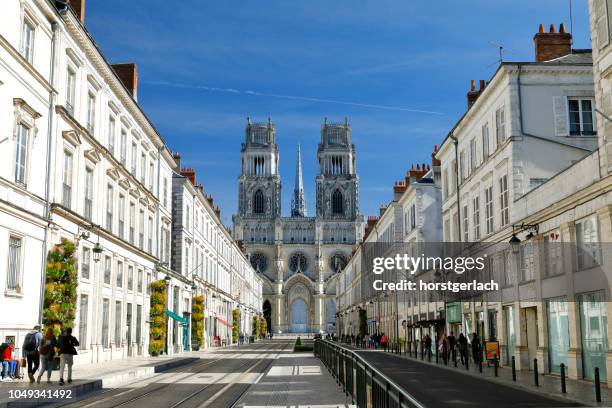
x=337, y=262
x=259, y=262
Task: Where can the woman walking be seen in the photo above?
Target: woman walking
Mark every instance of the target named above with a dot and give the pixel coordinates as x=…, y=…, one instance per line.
x=46, y=350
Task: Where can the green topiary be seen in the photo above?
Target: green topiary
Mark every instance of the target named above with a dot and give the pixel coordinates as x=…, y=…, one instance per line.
x=59, y=309
x=158, y=318
x=197, y=322
x=235, y=325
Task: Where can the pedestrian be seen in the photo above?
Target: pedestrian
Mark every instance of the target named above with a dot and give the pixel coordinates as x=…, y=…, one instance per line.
x=30, y=351
x=67, y=350
x=366, y=340
x=476, y=348
x=46, y=350
x=452, y=344
x=384, y=340
x=463, y=348
x=443, y=348
x=9, y=365
x=428, y=345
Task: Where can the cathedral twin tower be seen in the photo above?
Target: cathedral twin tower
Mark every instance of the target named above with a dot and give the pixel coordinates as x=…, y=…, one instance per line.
x=298, y=256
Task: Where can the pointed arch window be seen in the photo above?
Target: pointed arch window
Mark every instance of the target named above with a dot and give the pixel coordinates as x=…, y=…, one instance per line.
x=337, y=202
x=258, y=202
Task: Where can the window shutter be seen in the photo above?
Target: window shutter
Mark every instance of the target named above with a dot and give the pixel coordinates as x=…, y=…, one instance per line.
x=560, y=112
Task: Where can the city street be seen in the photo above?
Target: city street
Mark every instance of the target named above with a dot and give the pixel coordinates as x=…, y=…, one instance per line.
x=438, y=387
x=219, y=379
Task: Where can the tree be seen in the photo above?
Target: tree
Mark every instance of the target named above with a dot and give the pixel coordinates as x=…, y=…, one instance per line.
x=256, y=327
x=263, y=327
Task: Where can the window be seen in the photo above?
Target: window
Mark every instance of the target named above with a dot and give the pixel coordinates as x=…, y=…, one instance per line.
x=462, y=165
x=85, y=263
x=87, y=208
x=500, y=125
x=140, y=281
x=489, y=209
x=588, y=247
x=473, y=156
x=445, y=182
x=165, y=197
x=141, y=221
x=466, y=224
x=111, y=134
x=337, y=203
x=143, y=168
x=151, y=174
x=119, y=274
x=118, y=313
x=187, y=217
x=123, y=146
x=258, y=202
x=83, y=310
x=150, y=235
x=107, y=270
x=526, y=252
x=133, y=159
x=70, y=90
x=476, y=217
x=13, y=279
x=138, y=324
x=27, y=40
x=132, y=222
x=110, y=201
x=148, y=283
x=412, y=216
x=121, y=216
x=581, y=117
x=67, y=180
x=553, y=256
x=105, y=322
x=485, y=141
x=503, y=200
x=91, y=112
x=130, y=278
x=21, y=153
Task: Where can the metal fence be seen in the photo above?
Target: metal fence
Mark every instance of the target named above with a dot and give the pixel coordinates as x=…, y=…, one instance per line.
x=368, y=387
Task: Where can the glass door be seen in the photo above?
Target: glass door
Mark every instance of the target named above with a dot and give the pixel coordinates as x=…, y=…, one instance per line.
x=558, y=333
x=594, y=333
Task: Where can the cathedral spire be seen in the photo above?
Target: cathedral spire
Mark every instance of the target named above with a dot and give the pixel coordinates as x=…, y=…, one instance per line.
x=298, y=203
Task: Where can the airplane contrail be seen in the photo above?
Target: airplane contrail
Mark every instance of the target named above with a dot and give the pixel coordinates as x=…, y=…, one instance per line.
x=293, y=97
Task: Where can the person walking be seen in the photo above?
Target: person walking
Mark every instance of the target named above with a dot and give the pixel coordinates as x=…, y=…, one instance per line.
x=428, y=345
x=443, y=348
x=452, y=344
x=476, y=348
x=30, y=351
x=384, y=340
x=67, y=349
x=46, y=350
x=463, y=348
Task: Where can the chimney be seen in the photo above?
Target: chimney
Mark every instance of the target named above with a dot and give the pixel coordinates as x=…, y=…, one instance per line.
x=382, y=209
x=434, y=161
x=128, y=74
x=189, y=172
x=399, y=188
x=551, y=45
x=474, y=93
x=78, y=6
x=177, y=159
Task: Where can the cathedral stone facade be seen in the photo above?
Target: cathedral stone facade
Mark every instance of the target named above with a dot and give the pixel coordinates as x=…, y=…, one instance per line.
x=298, y=256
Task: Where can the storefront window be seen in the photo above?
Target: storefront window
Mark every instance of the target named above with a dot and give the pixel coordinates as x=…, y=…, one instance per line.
x=492, y=316
x=558, y=333
x=594, y=329
x=467, y=324
x=510, y=333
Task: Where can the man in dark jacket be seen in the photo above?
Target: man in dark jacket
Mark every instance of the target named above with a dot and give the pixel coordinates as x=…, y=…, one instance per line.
x=476, y=348
x=67, y=349
x=30, y=351
x=452, y=343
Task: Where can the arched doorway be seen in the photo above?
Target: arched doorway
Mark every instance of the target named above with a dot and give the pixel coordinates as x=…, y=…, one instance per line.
x=267, y=314
x=299, y=316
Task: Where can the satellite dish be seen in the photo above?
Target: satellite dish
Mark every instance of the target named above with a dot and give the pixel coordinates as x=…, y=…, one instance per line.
x=62, y=6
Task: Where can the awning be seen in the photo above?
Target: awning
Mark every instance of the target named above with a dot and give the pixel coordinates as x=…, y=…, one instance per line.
x=176, y=317
x=223, y=321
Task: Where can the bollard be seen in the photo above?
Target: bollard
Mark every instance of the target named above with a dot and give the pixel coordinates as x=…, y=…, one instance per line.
x=513, y=368
x=562, y=367
x=597, y=385
x=455, y=361
x=467, y=363
x=437, y=356
x=495, y=364
x=480, y=366
x=535, y=372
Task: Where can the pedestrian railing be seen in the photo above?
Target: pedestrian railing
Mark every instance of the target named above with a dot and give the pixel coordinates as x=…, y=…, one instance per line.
x=367, y=386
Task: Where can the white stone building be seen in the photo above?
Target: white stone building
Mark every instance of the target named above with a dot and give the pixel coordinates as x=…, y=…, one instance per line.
x=204, y=252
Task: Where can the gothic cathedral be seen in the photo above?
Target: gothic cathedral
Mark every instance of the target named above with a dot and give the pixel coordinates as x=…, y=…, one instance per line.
x=298, y=256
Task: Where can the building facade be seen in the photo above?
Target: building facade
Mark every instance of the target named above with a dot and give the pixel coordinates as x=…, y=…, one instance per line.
x=298, y=257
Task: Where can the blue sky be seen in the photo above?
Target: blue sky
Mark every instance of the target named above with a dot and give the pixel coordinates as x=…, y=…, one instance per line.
x=205, y=66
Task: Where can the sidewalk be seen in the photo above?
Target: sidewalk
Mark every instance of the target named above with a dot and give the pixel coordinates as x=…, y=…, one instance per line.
x=578, y=391
x=94, y=377
x=296, y=380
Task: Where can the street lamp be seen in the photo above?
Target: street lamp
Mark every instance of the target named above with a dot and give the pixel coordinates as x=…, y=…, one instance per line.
x=97, y=251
